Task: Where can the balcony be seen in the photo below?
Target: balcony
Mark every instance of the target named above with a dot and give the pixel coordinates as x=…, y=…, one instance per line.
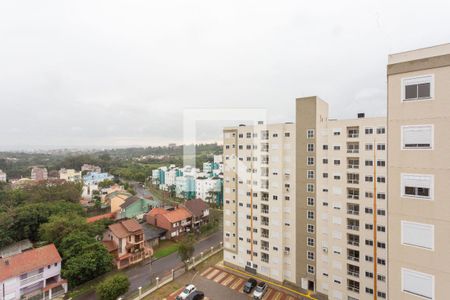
x=353, y=212
x=353, y=273
x=353, y=289
x=265, y=235
x=265, y=223
x=352, y=132
x=353, y=243
x=353, y=258
x=353, y=227
x=352, y=147
x=33, y=278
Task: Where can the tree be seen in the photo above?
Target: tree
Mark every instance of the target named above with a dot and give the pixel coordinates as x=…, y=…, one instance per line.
x=113, y=287
x=186, y=249
x=60, y=226
x=92, y=262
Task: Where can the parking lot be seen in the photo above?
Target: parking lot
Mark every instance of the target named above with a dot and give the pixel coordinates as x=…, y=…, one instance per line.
x=218, y=284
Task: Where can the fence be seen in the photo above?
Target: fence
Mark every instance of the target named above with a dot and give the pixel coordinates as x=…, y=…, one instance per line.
x=167, y=277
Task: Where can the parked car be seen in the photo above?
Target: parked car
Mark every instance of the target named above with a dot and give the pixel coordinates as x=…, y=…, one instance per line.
x=197, y=295
x=249, y=285
x=188, y=290
x=260, y=290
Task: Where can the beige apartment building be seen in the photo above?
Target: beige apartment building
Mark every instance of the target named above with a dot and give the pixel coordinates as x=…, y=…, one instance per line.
x=336, y=182
x=419, y=172
x=259, y=200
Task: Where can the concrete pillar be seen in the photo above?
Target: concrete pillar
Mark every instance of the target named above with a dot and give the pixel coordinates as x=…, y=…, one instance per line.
x=140, y=292
x=157, y=282
x=173, y=274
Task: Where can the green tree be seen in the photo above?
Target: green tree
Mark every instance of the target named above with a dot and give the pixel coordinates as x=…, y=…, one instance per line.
x=60, y=226
x=113, y=287
x=186, y=249
x=93, y=261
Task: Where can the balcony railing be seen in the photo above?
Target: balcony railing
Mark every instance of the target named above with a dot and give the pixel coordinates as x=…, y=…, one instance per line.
x=353, y=289
x=265, y=223
x=265, y=211
x=353, y=212
x=353, y=258
x=353, y=273
x=350, y=196
x=32, y=278
x=353, y=227
x=353, y=150
x=264, y=248
x=353, y=166
x=353, y=243
x=264, y=235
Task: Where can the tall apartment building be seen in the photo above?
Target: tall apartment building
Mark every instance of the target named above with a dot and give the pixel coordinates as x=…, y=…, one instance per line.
x=419, y=172
x=259, y=200
x=335, y=182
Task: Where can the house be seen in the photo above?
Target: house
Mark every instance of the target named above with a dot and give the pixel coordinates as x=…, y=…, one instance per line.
x=70, y=175
x=153, y=234
x=125, y=241
x=33, y=274
x=175, y=220
x=39, y=174
x=135, y=207
x=199, y=211
x=116, y=199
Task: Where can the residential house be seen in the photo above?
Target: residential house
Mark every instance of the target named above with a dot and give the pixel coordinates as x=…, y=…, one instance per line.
x=2, y=176
x=199, y=210
x=39, y=174
x=116, y=199
x=125, y=241
x=135, y=207
x=33, y=274
x=175, y=220
x=70, y=175
x=91, y=168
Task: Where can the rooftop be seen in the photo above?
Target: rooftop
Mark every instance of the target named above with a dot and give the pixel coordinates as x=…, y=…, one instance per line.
x=28, y=261
x=196, y=206
x=125, y=228
x=421, y=53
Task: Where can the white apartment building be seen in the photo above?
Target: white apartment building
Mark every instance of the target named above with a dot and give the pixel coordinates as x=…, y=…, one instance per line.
x=419, y=172
x=33, y=273
x=259, y=200
x=2, y=176
x=203, y=187
x=342, y=171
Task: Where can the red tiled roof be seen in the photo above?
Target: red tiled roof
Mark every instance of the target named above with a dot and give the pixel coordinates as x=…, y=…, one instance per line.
x=28, y=261
x=125, y=228
x=172, y=216
x=101, y=217
x=157, y=211
x=196, y=206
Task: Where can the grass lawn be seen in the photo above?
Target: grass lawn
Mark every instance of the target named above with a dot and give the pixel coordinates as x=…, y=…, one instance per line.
x=165, y=248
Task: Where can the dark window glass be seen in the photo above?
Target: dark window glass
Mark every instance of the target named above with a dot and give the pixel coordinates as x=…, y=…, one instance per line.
x=424, y=90
x=411, y=91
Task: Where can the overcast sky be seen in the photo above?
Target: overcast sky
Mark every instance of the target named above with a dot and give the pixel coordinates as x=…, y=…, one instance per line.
x=117, y=73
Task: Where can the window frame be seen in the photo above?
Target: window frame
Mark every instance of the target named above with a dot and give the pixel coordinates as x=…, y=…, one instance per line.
x=433, y=284
x=418, y=77
x=431, y=227
x=402, y=144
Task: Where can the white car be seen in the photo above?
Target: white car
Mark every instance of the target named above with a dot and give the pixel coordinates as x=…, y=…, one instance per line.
x=260, y=290
x=189, y=289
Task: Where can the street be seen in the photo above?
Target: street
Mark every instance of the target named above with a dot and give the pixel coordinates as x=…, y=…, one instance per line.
x=140, y=275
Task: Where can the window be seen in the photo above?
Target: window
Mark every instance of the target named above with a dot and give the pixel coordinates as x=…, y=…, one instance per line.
x=310, y=161
x=310, y=269
x=310, y=228
x=310, y=201
x=417, y=137
x=310, y=148
x=310, y=187
x=418, y=88
x=310, y=242
x=381, y=179
x=369, y=163
x=287, y=134
x=369, y=147
x=310, y=215
x=381, y=245
x=249, y=135
x=310, y=174
x=336, y=148
x=337, y=162
x=381, y=163
x=325, y=161
x=310, y=255
x=325, y=147
x=381, y=147
x=369, y=131
x=417, y=186
x=417, y=235
x=381, y=130
x=310, y=133
x=417, y=283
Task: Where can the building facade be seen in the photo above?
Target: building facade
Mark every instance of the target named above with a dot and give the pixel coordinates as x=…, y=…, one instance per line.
x=419, y=169
x=39, y=174
x=34, y=273
x=259, y=200
x=341, y=171
x=2, y=176
x=70, y=175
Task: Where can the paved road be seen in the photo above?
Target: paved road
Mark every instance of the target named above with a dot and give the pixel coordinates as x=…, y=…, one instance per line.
x=141, y=274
